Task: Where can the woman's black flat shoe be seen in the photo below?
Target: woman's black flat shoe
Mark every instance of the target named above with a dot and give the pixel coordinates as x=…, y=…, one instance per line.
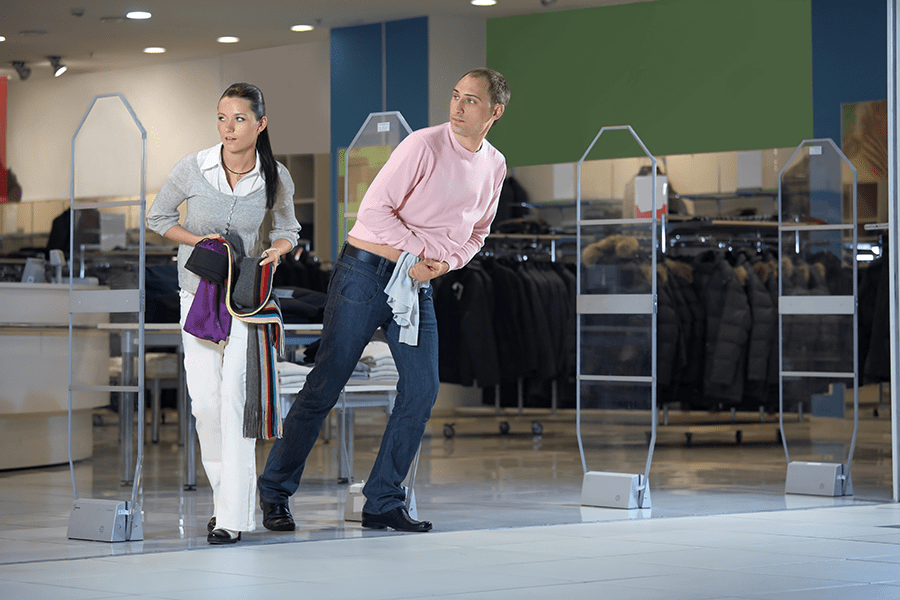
x=219, y=537
x=211, y=525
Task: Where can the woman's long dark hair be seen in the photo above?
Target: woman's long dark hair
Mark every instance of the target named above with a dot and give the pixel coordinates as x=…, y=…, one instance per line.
x=254, y=96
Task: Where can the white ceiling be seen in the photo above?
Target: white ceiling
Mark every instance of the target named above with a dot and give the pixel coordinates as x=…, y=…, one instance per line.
x=188, y=29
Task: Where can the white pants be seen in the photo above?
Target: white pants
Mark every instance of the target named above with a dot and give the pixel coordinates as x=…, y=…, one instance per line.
x=216, y=381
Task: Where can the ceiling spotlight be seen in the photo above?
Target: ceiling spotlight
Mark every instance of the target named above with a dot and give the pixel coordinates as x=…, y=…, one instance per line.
x=484, y=2
x=302, y=28
x=58, y=67
x=2, y=39
x=548, y=2
x=138, y=14
x=154, y=50
x=228, y=39
x=23, y=71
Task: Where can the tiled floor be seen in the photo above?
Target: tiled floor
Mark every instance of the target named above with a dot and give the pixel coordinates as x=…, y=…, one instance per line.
x=508, y=522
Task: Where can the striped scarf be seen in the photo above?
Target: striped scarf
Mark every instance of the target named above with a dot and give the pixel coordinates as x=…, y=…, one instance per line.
x=265, y=342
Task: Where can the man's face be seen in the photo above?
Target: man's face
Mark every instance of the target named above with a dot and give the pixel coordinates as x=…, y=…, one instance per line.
x=471, y=113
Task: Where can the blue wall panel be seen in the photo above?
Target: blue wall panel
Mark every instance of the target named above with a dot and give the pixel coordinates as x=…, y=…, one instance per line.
x=355, y=79
x=407, y=70
x=849, y=59
x=356, y=91
x=376, y=67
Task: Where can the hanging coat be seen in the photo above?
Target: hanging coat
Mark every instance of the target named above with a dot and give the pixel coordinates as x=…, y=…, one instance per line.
x=728, y=324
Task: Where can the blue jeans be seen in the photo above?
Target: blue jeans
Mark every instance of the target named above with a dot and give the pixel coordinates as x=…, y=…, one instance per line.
x=356, y=307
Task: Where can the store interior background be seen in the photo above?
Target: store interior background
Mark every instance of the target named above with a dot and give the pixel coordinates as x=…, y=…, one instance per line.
x=701, y=81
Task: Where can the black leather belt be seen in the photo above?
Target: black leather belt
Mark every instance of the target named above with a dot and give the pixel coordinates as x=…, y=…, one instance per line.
x=363, y=255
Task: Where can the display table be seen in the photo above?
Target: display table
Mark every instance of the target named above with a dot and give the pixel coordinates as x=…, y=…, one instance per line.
x=34, y=371
x=169, y=334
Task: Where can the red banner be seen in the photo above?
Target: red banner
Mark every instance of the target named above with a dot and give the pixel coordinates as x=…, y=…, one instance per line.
x=3, y=192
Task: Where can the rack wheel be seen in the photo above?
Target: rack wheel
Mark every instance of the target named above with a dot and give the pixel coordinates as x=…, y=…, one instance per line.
x=688, y=437
x=504, y=427
x=537, y=428
x=449, y=432
x=738, y=436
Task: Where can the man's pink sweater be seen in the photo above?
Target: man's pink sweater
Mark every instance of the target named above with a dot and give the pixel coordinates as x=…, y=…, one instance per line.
x=433, y=198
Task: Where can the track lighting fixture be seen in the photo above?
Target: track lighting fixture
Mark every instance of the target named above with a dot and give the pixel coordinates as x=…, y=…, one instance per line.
x=23, y=71
x=58, y=67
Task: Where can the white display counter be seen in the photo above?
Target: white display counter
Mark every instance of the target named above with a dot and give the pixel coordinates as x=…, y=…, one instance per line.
x=34, y=375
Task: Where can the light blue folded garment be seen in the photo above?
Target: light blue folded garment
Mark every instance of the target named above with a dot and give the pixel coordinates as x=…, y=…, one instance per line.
x=403, y=297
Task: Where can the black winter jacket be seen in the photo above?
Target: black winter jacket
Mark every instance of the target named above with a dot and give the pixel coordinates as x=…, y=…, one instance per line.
x=728, y=324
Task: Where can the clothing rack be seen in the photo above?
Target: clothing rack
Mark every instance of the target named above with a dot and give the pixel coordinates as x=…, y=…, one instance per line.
x=691, y=237
x=522, y=243
x=521, y=248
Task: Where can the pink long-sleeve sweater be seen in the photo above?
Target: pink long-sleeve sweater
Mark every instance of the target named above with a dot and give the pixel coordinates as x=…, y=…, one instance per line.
x=433, y=198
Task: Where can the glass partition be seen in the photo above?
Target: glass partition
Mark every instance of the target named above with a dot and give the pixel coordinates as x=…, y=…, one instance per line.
x=723, y=208
x=362, y=160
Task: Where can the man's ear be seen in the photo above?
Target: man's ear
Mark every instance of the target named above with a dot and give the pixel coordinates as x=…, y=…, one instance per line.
x=498, y=111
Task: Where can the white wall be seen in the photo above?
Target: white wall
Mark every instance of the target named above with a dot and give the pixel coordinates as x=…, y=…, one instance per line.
x=296, y=81
x=175, y=103
x=456, y=45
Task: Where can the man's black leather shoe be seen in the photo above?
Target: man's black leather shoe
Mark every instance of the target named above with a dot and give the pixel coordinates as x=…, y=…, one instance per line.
x=218, y=537
x=397, y=519
x=277, y=517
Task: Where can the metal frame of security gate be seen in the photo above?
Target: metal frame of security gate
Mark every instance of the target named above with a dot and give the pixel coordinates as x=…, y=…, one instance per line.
x=616, y=490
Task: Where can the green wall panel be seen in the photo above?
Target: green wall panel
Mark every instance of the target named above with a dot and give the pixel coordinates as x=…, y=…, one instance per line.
x=687, y=75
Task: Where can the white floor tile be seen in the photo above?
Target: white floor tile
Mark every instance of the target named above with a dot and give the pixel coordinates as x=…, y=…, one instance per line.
x=849, y=592
x=507, y=526
x=849, y=571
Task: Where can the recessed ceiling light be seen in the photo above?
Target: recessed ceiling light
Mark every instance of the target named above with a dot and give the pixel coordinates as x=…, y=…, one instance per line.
x=302, y=28
x=2, y=39
x=154, y=50
x=228, y=39
x=138, y=14
x=484, y=2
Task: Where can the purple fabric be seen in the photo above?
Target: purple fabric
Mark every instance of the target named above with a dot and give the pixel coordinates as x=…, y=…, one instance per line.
x=208, y=318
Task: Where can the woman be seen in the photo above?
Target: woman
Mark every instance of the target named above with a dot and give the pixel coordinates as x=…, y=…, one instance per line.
x=228, y=189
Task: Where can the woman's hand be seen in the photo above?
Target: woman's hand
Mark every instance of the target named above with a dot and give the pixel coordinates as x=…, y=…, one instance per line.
x=270, y=255
x=210, y=236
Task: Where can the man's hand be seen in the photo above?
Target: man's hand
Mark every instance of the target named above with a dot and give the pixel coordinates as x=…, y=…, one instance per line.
x=427, y=269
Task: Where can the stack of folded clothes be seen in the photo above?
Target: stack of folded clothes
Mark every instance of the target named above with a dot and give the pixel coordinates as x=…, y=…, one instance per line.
x=377, y=357
x=291, y=375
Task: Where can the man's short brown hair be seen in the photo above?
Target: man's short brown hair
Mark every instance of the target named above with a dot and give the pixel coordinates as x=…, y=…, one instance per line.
x=497, y=86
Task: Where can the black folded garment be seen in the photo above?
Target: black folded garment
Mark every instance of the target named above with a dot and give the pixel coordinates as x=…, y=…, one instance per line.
x=209, y=261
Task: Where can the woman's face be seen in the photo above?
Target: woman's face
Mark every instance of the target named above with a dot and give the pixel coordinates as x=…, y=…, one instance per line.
x=238, y=126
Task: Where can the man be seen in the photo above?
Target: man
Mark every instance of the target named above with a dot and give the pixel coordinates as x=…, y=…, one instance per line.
x=433, y=200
